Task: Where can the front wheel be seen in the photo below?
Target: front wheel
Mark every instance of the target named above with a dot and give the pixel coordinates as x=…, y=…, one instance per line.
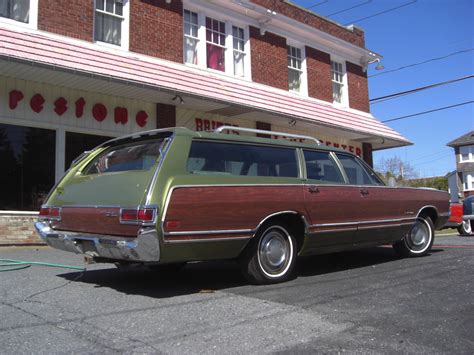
x=465, y=228
x=419, y=239
x=270, y=257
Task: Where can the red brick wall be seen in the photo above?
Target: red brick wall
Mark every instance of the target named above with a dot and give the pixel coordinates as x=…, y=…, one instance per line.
x=156, y=28
x=358, y=87
x=18, y=230
x=283, y=7
x=165, y=116
x=269, y=59
x=318, y=65
x=72, y=18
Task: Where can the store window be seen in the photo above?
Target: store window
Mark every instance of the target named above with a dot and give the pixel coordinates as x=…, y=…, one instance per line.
x=27, y=160
x=77, y=143
x=338, y=74
x=110, y=21
x=215, y=43
x=295, y=70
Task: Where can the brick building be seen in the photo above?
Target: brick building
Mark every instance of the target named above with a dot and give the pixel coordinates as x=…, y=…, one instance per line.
x=75, y=73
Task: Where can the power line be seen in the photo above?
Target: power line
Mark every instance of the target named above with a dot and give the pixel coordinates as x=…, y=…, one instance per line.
x=349, y=8
x=412, y=91
x=425, y=112
x=420, y=63
x=316, y=5
x=381, y=13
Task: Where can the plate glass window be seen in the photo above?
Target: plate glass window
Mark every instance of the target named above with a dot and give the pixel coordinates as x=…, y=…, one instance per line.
x=239, y=50
x=191, y=39
x=215, y=44
x=18, y=10
x=108, y=21
x=294, y=69
x=337, y=82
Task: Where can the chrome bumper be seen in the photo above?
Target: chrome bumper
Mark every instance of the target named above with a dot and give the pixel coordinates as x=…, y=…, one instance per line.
x=143, y=248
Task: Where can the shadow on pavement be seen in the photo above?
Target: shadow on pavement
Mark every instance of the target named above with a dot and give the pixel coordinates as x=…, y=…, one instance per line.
x=207, y=277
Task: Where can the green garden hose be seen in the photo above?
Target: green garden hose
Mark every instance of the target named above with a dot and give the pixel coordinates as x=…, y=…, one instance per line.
x=12, y=265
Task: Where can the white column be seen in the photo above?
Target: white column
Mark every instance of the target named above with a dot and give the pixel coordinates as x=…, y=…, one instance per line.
x=60, y=153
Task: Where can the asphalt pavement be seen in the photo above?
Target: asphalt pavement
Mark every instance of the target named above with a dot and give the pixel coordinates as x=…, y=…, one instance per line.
x=366, y=301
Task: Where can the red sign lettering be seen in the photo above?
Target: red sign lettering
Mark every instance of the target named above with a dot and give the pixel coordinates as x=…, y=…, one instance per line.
x=60, y=106
x=80, y=107
x=36, y=103
x=15, y=97
x=99, y=112
x=141, y=118
x=120, y=115
x=208, y=125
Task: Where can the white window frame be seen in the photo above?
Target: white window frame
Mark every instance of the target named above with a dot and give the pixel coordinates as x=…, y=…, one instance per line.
x=125, y=31
x=32, y=20
x=345, y=90
x=469, y=150
x=185, y=35
x=468, y=181
x=230, y=21
x=303, y=71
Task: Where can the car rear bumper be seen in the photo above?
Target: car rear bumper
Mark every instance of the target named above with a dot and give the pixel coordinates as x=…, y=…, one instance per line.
x=143, y=248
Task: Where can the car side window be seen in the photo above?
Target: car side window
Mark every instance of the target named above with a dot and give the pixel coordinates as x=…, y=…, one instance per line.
x=320, y=166
x=356, y=172
x=241, y=159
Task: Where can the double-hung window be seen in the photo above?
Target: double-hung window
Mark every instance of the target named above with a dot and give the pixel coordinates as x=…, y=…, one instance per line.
x=337, y=71
x=211, y=41
x=109, y=20
x=17, y=10
x=191, y=38
x=467, y=154
x=239, y=50
x=295, y=70
x=215, y=44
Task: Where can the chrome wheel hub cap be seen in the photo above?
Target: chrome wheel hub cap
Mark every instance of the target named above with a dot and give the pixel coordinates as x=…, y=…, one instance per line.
x=419, y=237
x=274, y=252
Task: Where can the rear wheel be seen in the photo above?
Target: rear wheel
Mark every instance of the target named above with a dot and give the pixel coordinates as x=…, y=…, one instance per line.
x=270, y=257
x=419, y=239
x=465, y=228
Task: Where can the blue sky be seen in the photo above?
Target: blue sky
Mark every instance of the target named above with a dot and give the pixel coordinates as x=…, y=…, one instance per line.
x=423, y=30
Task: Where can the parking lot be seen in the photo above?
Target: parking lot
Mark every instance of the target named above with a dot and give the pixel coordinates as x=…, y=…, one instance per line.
x=367, y=301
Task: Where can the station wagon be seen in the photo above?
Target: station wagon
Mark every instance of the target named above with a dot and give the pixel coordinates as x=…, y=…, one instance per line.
x=172, y=196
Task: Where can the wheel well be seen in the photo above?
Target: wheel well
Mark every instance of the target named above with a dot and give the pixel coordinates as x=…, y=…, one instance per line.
x=429, y=212
x=294, y=223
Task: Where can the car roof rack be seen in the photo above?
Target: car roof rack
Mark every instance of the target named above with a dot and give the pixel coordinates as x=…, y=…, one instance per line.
x=261, y=131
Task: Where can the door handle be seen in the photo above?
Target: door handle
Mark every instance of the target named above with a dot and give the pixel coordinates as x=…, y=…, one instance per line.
x=364, y=192
x=313, y=189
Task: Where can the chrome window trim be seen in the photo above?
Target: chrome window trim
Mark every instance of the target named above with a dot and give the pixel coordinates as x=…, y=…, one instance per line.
x=164, y=147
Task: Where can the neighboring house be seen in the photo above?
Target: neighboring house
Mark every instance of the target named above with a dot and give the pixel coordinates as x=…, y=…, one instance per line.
x=75, y=73
x=464, y=152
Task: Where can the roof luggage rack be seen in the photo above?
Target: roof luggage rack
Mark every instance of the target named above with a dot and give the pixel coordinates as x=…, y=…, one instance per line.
x=261, y=131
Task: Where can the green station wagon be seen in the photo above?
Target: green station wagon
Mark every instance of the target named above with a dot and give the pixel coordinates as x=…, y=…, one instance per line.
x=171, y=196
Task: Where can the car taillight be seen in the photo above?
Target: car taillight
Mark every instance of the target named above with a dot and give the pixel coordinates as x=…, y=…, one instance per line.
x=138, y=215
x=53, y=213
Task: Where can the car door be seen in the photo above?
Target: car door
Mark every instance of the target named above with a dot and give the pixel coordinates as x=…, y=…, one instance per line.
x=379, y=206
x=329, y=202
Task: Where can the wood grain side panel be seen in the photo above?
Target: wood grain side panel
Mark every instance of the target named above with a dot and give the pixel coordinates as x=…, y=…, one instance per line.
x=95, y=221
x=229, y=207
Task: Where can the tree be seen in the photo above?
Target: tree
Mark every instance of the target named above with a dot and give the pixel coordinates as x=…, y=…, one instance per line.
x=397, y=169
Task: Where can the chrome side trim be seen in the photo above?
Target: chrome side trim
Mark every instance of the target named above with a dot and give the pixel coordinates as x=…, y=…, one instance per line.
x=333, y=230
x=273, y=215
x=206, y=240
x=393, y=220
x=381, y=226
x=211, y=232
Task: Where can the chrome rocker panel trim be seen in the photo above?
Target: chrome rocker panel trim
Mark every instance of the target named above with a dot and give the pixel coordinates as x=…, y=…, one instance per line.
x=144, y=248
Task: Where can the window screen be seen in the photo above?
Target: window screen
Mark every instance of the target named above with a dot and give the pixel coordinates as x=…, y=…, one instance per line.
x=240, y=159
x=320, y=166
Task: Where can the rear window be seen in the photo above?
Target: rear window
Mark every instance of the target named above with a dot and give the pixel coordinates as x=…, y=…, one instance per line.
x=140, y=155
x=241, y=159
